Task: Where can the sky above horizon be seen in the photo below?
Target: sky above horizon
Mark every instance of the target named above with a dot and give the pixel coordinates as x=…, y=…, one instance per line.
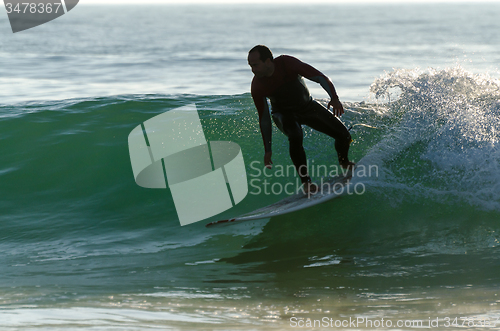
x=141, y=2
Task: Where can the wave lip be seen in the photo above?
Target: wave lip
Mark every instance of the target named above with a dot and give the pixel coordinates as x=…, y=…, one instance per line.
x=446, y=122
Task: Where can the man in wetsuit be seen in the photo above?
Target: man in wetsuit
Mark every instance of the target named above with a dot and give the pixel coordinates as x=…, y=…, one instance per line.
x=281, y=81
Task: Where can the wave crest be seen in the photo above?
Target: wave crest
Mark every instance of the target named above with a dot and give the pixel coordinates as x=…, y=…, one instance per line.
x=442, y=128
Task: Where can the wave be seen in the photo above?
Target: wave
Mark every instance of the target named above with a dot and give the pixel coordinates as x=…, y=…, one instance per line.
x=442, y=133
x=433, y=135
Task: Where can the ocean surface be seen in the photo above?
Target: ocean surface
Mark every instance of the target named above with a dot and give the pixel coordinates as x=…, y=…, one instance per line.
x=416, y=246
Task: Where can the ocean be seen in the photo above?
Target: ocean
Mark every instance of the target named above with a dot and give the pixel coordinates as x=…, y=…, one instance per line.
x=416, y=246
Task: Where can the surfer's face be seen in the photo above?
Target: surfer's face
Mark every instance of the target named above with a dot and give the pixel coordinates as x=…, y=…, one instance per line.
x=260, y=69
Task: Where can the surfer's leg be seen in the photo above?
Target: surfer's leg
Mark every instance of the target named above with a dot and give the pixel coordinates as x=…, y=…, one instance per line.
x=292, y=129
x=321, y=119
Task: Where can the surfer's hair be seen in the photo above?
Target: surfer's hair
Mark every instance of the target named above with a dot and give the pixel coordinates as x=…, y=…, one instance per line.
x=264, y=52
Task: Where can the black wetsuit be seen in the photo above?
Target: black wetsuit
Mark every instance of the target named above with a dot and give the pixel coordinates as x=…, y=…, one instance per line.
x=293, y=106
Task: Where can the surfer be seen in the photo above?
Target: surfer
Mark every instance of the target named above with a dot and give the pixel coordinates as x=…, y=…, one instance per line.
x=280, y=80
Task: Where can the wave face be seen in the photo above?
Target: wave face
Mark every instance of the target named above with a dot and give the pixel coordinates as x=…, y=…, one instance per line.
x=78, y=231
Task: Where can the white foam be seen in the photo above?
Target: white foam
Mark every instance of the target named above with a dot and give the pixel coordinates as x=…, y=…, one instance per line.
x=447, y=123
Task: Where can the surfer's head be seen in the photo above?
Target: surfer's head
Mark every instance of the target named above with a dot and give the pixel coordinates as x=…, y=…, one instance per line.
x=260, y=59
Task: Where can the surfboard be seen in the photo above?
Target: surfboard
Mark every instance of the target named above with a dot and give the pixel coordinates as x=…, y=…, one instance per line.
x=328, y=189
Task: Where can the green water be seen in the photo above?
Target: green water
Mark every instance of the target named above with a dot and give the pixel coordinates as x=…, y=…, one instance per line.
x=84, y=247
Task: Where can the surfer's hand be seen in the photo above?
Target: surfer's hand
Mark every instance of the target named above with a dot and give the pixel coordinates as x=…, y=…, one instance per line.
x=337, y=108
x=267, y=160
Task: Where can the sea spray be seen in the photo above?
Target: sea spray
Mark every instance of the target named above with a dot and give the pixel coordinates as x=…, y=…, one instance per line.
x=444, y=126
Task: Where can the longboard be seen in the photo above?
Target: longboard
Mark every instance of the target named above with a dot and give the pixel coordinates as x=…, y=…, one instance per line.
x=329, y=189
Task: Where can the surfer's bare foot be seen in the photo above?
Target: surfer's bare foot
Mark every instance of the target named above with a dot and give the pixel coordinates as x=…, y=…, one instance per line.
x=310, y=188
x=348, y=165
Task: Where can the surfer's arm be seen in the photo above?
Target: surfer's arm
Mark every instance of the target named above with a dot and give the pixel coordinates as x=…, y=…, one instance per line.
x=311, y=73
x=266, y=128
x=264, y=120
